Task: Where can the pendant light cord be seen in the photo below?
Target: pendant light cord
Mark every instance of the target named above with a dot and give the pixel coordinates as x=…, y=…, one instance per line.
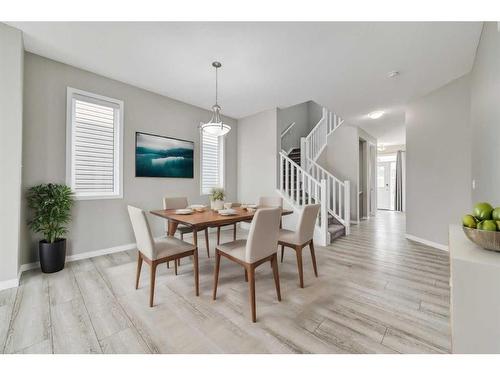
x=216, y=86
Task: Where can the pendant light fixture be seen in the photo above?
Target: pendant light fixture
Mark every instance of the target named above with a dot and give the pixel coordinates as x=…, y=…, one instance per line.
x=215, y=126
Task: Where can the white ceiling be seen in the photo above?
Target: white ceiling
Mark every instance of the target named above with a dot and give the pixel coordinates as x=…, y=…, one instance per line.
x=341, y=65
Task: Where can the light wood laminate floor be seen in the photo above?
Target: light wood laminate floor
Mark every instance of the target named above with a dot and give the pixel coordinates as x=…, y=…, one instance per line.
x=376, y=293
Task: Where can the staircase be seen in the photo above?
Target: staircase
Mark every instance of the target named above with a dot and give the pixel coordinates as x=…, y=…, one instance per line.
x=304, y=181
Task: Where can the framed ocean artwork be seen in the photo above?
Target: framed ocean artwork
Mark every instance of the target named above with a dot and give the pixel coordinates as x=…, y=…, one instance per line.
x=158, y=156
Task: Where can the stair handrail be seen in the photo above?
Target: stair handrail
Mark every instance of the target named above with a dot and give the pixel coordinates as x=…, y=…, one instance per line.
x=288, y=128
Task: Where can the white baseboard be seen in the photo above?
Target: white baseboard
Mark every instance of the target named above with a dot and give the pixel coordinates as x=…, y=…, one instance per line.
x=86, y=255
x=7, y=284
x=427, y=242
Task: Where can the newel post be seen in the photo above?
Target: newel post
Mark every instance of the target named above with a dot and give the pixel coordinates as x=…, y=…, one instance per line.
x=347, y=206
x=324, y=213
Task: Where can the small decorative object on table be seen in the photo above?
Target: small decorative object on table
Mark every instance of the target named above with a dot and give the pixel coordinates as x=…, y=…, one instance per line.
x=217, y=199
x=51, y=206
x=227, y=212
x=184, y=211
x=198, y=207
x=482, y=227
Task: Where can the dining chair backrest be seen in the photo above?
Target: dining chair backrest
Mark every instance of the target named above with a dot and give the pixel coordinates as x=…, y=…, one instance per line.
x=142, y=232
x=173, y=203
x=262, y=239
x=270, y=202
x=170, y=203
x=306, y=223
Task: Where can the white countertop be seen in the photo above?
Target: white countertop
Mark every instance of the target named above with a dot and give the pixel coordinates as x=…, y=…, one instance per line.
x=461, y=248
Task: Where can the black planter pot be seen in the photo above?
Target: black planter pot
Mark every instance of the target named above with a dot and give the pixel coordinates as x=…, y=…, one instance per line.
x=52, y=255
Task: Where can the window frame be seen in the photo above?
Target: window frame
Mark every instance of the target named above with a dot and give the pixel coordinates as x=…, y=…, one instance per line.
x=71, y=95
x=222, y=163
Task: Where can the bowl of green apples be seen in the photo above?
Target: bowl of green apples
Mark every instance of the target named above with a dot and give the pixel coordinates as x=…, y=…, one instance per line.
x=483, y=226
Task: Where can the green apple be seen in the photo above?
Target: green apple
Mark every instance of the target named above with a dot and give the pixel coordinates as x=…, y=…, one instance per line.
x=482, y=211
x=495, y=215
x=469, y=221
x=480, y=225
x=489, y=225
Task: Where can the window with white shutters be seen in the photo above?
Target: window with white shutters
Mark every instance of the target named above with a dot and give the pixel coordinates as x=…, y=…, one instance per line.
x=212, y=162
x=94, y=145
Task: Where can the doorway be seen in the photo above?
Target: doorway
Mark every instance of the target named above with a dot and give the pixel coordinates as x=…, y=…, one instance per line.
x=386, y=181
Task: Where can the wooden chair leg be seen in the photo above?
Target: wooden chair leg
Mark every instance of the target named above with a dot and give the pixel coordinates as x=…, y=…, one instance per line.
x=152, y=285
x=206, y=242
x=282, y=252
x=218, y=235
x=139, y=267
x=274, y=265
x=234, y=232
x=196, y=272
x=251, y=285
x=216, y=273
x=246, y=275
x=313, y=256
x=168, y=264
x=175, y=267
x=182, y=236
x=298, y=252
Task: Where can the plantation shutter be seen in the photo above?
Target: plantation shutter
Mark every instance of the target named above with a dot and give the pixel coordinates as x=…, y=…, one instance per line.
x=211, y=162
x=95, y=147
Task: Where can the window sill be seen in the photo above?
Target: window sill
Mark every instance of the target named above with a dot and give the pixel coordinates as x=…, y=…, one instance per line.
x=96, y=197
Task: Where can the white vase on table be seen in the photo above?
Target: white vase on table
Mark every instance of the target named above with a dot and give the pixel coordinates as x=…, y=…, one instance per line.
x=217, y=205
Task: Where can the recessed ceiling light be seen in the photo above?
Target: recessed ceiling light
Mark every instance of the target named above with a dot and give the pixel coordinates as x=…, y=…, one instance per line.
x=393, y=74
x=375, y=115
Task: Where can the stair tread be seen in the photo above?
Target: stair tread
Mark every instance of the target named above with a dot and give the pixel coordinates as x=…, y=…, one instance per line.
x=333, y=228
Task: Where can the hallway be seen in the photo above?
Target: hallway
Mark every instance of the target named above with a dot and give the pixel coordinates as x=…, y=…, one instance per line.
x=376, y=293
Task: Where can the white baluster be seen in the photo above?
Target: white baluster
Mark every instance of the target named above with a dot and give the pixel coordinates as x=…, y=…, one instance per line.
x=292, y=180
x=281, y=172
x=309, y=191
x=347, y=206
x=303, y=189
x=341, y=199
x=324, y=210
x=286, y=176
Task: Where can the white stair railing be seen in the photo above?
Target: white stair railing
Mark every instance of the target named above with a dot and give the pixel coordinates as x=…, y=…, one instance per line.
x=338, y=192
x=338, y=201
x=316, y=140
x=300, y=188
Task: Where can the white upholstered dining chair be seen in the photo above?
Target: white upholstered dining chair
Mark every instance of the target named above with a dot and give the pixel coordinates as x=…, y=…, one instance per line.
x=266, y=202
x=301, y=237
x=258, y=248
x=155, y=252
x=173, y=203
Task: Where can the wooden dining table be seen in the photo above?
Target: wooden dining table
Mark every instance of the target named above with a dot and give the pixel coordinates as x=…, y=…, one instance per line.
x=208, y=218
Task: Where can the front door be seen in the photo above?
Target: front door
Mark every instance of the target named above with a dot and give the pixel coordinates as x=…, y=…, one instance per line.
x=383, y=185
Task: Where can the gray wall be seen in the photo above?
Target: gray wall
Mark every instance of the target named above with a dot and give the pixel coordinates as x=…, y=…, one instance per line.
x=257, y=154
x=341, y=158
x=305, y=115
x=11, y=111
x=102, y=224
x=438, y=161
x=485, y=116
x=298, y=114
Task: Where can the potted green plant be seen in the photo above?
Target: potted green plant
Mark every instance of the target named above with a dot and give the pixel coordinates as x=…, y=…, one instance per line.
x=51, y=208
x=217, y=199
